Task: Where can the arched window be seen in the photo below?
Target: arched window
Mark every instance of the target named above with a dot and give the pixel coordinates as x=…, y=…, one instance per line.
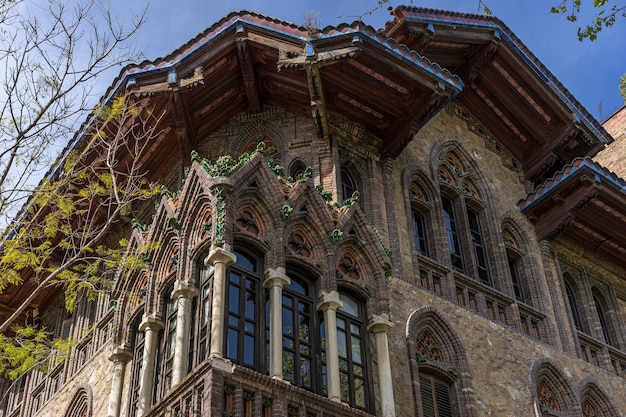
x=463, y=214
x=519, y=276
x=138, y=347
x=81, y=404
x=296, y=168
x=165, y=356
x=300, y=339
x=600, y=309
x=420, y=219
x=201, y=335
x=348, y=184
x=243, y=341
x=353, y=372
x=573, y=305
x=452, y=232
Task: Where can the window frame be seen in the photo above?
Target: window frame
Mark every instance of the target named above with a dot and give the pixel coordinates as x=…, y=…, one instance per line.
x=249, y=323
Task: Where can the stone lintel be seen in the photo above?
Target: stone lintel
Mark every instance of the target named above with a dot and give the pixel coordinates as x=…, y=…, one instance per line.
x=219, y=255
x=276, y=277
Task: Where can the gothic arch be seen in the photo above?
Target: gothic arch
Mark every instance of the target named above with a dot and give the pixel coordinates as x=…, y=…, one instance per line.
x=81, y=403
x=594, y=400
x=551, y=392
x=447, y=361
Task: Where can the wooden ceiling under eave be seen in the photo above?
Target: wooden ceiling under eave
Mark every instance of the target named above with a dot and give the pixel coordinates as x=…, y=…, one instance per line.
x=585, y=204
x=248, y=61
x=506, y=88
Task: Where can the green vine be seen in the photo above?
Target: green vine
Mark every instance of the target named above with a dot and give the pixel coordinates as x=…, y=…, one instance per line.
x=220, y=217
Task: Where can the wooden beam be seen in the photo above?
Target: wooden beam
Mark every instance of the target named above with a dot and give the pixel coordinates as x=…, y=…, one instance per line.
x=249, y=78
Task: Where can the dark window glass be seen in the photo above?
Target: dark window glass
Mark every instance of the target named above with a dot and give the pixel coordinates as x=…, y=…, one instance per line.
x=243, y=344
x=419, y=233
x=201, y=334
x=299, y=339
x=348, y=185
x=603, y=321
x=168, y=344
x=435, y=397
x=136, y=375
x=515, y=277
x=479, y=247
x=351, y=346
x=452, y=232
x=573, y=307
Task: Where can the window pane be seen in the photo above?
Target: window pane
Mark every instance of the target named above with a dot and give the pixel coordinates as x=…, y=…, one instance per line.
x=232, y=343
x=249, y=351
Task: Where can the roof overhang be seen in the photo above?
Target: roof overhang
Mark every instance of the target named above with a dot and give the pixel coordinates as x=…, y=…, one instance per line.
x=507, y=87
x=584, y=203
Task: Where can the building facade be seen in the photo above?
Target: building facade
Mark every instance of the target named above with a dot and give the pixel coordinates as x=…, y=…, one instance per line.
x=409, y=223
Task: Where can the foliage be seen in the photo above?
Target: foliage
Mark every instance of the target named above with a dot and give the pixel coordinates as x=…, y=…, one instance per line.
x=622, y=87
x=31, y=348
x=62, y=241
x=606, y=14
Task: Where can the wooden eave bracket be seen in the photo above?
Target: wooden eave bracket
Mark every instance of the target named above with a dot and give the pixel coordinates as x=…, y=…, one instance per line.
x=247, y=70
x=185, y=130
x=470, y=71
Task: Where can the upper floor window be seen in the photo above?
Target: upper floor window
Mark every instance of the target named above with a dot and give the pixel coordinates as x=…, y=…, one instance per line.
x=353, y=373
x=604, y=324
x=420, y=218
x=167, y=346
x=348, y=184
x=138, y=348
x=461, y=202
x=243, y=341
x=573, y=305
x=300, y=339
x=201, y=334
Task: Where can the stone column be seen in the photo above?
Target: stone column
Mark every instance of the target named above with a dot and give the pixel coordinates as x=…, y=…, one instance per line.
x=184, y=292
x=119, y=357
x=150, y=326
x=275, y=280
x=329, y=304
x=379, y=326
x=220, y=259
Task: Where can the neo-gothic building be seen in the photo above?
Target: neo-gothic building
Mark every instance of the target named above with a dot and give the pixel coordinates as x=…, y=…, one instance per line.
x=424, y=235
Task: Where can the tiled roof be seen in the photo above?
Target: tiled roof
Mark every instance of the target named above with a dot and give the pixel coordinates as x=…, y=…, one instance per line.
x=476, y=20
x=579, y=164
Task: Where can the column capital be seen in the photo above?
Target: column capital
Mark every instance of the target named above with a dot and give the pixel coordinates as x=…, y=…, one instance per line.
x=151, y=323
x=184, y=289
x=276, y=277
x=329, y=300
x=120, y=354
x=378, y=324
x=220, y=255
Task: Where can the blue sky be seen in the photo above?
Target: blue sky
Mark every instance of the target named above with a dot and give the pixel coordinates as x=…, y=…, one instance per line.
x=590, y=70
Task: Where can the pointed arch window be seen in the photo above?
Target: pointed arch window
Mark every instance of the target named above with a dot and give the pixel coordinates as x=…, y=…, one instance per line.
x=243, y=341
x=300, y=341
x=201, y=335
x=463, y=213
x=353, y=370
x=420, y=217
x=573, y=305
x=452, y=232
x=165, y=355
x=138, y=347
x=348, y=184
x=604, y=324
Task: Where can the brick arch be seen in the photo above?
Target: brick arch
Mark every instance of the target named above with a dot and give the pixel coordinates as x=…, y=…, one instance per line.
x=266, y=127
x=551, y=392
x=453, y=366
x=81, y=404
x=592, y=395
